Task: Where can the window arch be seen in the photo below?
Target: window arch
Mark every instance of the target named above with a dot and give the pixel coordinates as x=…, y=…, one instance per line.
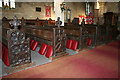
x=87, y=9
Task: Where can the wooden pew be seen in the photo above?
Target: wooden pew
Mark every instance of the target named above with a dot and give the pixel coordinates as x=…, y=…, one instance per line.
x=48, y=35
x=37, y=22
x=81, y=34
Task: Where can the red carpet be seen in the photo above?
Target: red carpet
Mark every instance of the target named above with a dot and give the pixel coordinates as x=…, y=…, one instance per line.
x=100, y=62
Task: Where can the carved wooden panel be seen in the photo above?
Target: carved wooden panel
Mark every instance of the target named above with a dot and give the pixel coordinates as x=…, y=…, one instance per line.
x=59, y=41
x=18, y=47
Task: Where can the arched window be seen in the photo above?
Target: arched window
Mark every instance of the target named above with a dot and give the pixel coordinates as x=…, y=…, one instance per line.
x=0, y=3
x=87, y=8
x=7, y=4
x=12, y=3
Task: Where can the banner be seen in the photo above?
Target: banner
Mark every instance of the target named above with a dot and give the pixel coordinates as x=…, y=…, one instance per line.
x=48, y=11
x=88, y=19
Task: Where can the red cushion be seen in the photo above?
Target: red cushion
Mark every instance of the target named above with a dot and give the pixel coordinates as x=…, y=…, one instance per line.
x=31, y=43
x=100, y=37
x=43, y=48
x=110, y=36
x=34, y=46
x=6, y=57
x=69, y=43
x=1, y=53
x=49, y=51
x=3, y=50
x=89, y=42
x=74, y=45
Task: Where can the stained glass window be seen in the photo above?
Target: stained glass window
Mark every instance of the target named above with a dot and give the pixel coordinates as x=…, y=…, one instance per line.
x=12, y=3
x=6, y=3
x=87, y=8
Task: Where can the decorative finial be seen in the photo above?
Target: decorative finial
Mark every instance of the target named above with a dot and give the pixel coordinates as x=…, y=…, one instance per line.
x=83, y=22
x=58, y=22
x=15, y=22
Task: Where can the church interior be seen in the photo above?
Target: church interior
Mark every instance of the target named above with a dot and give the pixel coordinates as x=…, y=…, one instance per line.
x=59, y=39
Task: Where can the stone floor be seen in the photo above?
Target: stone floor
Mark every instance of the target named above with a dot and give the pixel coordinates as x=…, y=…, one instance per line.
x=37, y=59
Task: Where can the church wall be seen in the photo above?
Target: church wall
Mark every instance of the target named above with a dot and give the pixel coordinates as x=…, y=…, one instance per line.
x=77, y=8
x=111, y=7
x=28, y=10
x=107, y=7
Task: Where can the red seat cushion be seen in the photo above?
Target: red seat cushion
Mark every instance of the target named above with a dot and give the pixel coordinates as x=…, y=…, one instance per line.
x=34, y=46
x=69, y=43
x=3, y=50
x=74, y=45
x=6, y=57
x=110, y=37
x=31, y=43
x=89, y=42
x=49, y=51
x=43, y=48
x=100, y=37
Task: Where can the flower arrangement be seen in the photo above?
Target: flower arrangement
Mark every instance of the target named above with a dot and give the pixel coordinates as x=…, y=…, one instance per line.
x=62, y=6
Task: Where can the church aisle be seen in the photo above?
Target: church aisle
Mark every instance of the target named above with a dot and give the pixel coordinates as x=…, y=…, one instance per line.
x=100, y=62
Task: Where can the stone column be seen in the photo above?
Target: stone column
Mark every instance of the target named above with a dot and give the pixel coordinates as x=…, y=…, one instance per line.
x=0, y=41
x=119, y=16
x=58, y=12
x=96, y=12
x=0, y=25
x=101, y=11
x=118, y=20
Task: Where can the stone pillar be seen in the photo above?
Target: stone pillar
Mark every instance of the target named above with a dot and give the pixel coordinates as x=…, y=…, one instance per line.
x=96, y=12
x=118, y=37
x=58, y=12
x=0, y=41
x=119, y=16
x=101, y=11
